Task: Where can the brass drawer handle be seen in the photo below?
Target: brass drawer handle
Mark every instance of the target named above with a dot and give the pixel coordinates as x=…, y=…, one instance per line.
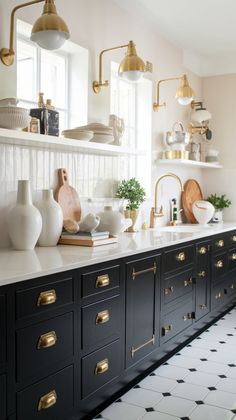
x=234, y=238
x=233, y=256
x=220, y=264
x=231, y=286
x=101, y=367
x=47, y=298
x=188, y=282
x=181, y=256
x=47, y=340
x=203, y=306
x=169, y=290
x=102, y=281
x=187, y=317
x=203, y=250
x=218, y=296
x=201, y=274
x=133, y=349
x=47, y=401
x=168, y=329
x=102, y=317
x=221, y=243
x=148, y=270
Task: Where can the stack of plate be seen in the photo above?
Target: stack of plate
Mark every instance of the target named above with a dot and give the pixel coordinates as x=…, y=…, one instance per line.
x=78, y=134
x=102, y=133
x=13, y=117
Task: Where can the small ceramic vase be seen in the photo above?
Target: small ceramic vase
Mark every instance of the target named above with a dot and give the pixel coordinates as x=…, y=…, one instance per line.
x=133, y=215
x=203, y=211
x=52, y=217
x=113, y=221
x=24, y=220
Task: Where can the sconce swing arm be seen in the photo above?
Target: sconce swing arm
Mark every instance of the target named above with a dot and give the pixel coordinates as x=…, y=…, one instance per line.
x=157, y=105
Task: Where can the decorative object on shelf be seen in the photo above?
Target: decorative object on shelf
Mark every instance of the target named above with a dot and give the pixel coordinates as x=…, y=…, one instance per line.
x=212, y=156
x=52, y=218
x=175, y=154
x=89, y=223
x=113, y=221
x=118, y=127
x=8, y=102
x=199, y=121
x=34, y=125
x=67, y=197
x=24, y=219
x=48, y=117
x=14, y=118
x=195, y=153
x=131, y=67
x=220, y=202
x=49, y=31
x=175, y=136
x=203, y=211
x=192, y=192
x=184, y=94
x=101, y=132
x=132, y=191
x=78, y=134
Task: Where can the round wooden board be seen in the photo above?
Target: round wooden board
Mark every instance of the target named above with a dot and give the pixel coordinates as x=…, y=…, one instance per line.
x=192, y=192
x=67, y=197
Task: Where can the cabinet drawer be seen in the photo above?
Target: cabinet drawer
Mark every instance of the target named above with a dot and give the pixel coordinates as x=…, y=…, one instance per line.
x=176, y=321
x=3, y=397
x=220, y=242
x=218, y=296
x=177, y=286
x=232, y=259
x=37, y=300
x=101, y=321
x=52, y=398
x=232, y=238
x=101, y=367
x=219, y=266
x=178, y=258
x=230, y=286
x=100, y=281
x=42, y=345
x=2, y=329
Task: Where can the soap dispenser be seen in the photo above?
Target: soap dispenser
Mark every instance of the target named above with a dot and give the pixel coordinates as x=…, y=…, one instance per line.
x=174, y=212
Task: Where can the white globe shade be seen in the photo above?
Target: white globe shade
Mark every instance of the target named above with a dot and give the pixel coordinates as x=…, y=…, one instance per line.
x=50, y=39
x=184, y=100
x=131, y=76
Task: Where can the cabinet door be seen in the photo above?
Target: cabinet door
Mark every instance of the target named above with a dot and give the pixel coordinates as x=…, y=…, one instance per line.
x=2, y=330
x=143, y=306
x=202, y=280
x=3, y=394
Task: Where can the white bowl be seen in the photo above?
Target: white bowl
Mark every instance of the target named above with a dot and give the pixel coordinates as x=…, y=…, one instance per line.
x=203, y=211
x=14, y=118
x=8, y=102
x=101, y=138
x=84, y=135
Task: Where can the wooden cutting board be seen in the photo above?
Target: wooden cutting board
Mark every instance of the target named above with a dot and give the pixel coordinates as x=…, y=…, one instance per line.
x=67, y=197
x=192, y=192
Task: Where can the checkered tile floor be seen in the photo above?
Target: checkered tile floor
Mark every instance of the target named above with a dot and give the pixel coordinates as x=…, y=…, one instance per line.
x=198, y=383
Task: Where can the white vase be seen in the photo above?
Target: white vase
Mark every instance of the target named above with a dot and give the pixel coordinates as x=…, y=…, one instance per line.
x=24, y=220
x=218, y=216
x=52, y=217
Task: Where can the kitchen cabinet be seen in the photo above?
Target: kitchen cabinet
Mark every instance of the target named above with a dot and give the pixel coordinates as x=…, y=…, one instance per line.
x=2, y=330
x=3, y=396
x=202, y=279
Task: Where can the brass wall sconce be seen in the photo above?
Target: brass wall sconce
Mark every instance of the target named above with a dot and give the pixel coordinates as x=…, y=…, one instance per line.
x=132, y=67
x=49, y=31
x=184, y=95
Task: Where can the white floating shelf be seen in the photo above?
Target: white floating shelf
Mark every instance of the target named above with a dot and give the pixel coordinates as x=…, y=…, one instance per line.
x=21, y=138
x=188, y=162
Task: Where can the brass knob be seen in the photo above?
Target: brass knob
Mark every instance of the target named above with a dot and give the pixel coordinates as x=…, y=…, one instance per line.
x=201, y=274
x=102, y=317
x=203, y=250
x=187, y=317
x=221, y=243
x=220, y=264
x=203, y=306
x=103, y=281
x=169, y=290
x=47, y=340
x=168, y=328
x=181, y=256
x=234, y=238
x=188, y=282
x=101, y=367
x=47, y=401
x=218, y=296
x=47, y=298
x=233, y=256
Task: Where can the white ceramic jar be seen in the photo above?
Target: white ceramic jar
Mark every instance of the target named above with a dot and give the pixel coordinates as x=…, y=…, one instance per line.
x=203, y=211
x=24, y=220
x=113, y=221
x=52, y=218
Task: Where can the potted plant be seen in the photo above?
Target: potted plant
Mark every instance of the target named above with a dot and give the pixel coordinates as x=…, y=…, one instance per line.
x=131, y=191
x=220, y=202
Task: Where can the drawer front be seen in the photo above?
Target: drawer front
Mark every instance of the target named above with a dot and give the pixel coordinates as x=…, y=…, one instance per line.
x=218, y=296
x=2, y=329
x=101, y=367
x=232, y=259
x=176, y=321
x=219, y=266
x=52, y=398
x=220, y=243
x=43, y=344
x=230, y=285
x=37, y=300
x=232, y=238
x=101, y=321
x=177, y=286
x=3, y=397
x=97, y=282
x=178, y=258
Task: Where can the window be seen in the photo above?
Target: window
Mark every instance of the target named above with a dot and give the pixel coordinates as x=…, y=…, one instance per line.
x=133, y=103
x=50, y=72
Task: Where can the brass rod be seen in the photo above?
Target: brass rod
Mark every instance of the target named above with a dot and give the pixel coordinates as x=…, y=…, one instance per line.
x=134, y=350
x=100, y=81
x=157, y=104
x=148, y=270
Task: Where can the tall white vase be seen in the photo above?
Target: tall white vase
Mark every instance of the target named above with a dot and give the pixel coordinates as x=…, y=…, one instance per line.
x=24, y=220
x=52, y=217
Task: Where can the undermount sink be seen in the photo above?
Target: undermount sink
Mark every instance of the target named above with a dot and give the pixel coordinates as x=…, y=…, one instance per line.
x=184, y=228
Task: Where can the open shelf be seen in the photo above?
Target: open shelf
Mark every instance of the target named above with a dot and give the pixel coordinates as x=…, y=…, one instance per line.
x=188, y=162
x=21, y=138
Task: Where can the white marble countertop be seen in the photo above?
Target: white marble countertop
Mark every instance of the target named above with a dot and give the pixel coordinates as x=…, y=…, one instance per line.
x=17, y=266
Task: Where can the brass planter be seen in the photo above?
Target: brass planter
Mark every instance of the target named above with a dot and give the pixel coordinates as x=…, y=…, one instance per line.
x=133, y=215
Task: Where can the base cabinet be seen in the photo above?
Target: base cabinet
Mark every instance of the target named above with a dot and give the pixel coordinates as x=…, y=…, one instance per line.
x=3, y=397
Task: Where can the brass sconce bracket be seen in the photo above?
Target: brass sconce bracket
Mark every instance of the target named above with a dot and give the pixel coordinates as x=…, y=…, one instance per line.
x=157, y=105
x=184, y=91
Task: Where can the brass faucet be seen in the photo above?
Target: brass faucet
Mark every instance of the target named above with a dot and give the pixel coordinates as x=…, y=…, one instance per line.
x=155, y=211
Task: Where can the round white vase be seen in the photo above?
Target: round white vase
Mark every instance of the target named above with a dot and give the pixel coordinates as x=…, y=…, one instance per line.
x=52, y=217
x=24, y=220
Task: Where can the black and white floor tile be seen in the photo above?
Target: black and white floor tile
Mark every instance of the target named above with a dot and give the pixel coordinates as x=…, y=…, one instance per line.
x=199, y=383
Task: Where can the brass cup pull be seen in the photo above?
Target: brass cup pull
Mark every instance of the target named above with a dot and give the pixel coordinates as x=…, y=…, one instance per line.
x=221, y=243
x=201, y=274
x=220, y=264
x=233, y=256
x=181, y=256
x=102, y=281
x=47, y=340
x=188, y=282
x=47, y=401
x=231, y=286
x=168, y=328
x=218, y=296
x=102, y=317
x=47, y=298
x=169, y=290
x=203, y=250
x=187, y=317
x=101, y=367
x=234, y=238
x=203, y=306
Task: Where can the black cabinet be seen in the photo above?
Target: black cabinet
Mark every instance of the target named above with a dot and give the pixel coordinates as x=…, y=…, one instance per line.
x=142, y=307
x=3, y=396
x=2, y=330
x=202, y=279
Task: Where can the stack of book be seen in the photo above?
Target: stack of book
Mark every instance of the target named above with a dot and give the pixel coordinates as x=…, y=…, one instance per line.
x=87, y=238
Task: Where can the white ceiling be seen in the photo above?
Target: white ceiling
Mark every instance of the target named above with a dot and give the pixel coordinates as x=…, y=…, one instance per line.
x=204, y=29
